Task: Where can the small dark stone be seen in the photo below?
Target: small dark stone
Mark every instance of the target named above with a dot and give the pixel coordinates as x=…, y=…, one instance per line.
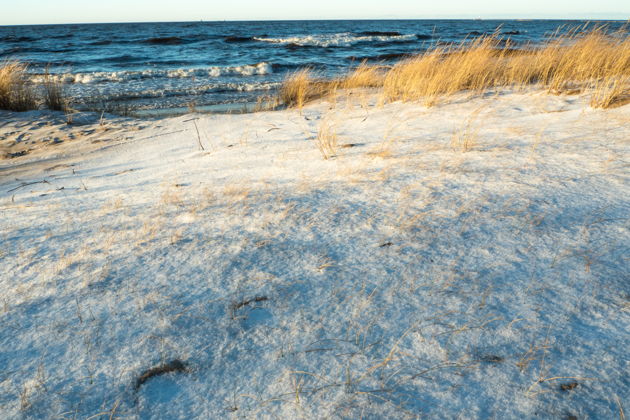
x=492, y=358
x=568, y=386
x=18, y=154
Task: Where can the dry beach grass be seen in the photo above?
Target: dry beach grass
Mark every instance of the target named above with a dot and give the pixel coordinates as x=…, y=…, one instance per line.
x=596, y=61
x=15, y=93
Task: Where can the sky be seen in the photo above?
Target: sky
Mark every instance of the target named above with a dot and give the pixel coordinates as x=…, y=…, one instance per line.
x=16, y=12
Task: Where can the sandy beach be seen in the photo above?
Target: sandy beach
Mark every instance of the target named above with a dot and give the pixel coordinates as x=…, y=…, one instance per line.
x=346, y=260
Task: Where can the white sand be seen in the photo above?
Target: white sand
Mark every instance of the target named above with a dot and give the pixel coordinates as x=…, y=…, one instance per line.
x=403, y=278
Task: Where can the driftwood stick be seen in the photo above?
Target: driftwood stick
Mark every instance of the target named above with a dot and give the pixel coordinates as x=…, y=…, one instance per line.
x=26, y=184
x=194, y=120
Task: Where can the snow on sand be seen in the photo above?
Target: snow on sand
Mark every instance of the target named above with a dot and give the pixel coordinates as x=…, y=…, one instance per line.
x=468, y=260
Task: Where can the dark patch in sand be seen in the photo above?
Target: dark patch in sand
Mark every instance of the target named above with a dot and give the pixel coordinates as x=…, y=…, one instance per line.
x=568, y=386
x=492, y=358
x=174, y=365
x=238, y=305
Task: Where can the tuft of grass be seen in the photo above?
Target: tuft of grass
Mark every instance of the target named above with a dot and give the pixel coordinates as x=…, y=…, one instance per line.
x=327, y=139
x=364, y=76
x=303, y=86
x=297, y=89
x=611, y=92
x=465, y=139
x=54, y=96
x=15, y=92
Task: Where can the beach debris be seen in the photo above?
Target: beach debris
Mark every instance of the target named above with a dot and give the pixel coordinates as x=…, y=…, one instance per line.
x=246, y=302
x=174, y=365
x=568, y=386
x=83, y=118
x=26, y=184
x=492, y=358
x=18, y=154
x=194, y=121
x=239, y=305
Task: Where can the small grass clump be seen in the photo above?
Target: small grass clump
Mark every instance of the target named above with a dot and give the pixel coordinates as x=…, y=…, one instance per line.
x=303, y=86
x=15, y=92
x=297, y=89
x=364, y=76
x=54, y=96
x=327, y=139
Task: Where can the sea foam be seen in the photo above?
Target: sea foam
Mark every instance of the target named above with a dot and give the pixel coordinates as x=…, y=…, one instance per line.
x=122, y=76
x=344, y=39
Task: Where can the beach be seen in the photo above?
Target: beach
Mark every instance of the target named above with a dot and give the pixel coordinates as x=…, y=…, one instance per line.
x=353, y=258
x=165, y=69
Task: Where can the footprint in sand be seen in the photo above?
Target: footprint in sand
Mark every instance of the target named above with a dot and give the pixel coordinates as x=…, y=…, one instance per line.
x=22, y=137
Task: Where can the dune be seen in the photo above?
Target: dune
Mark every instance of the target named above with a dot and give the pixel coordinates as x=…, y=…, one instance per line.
x=343, y=260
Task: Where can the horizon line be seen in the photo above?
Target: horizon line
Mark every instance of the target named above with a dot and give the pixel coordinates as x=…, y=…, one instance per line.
x=581, y=19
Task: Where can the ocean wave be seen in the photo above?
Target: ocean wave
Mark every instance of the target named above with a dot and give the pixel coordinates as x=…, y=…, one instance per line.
x=161, y=92
x=246, y=70
x=62, y=36
x=379, y=33
x=178, y=40
x=11, y=51
x=169, y=40
x=345, y=39
x=101, y=42
x=238, y=39
x=21, y=50
x=122, y=76
x=380, y=57
x=13, y=38
x=124, y=58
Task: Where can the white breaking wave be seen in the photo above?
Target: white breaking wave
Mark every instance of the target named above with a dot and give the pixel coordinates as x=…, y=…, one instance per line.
x=345, y=39
x=248, y=70
x=122, y=76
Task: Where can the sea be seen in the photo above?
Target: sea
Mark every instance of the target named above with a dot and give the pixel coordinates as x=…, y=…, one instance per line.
x=170, y=68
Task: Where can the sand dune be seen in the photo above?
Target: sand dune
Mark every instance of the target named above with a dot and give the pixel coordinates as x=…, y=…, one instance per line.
x=346, y=261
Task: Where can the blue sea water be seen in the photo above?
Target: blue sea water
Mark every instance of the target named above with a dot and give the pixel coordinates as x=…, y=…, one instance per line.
x=167, y=66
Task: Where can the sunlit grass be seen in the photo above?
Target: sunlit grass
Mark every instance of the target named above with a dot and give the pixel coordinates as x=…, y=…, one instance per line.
x=15, y=93
x=597, y=62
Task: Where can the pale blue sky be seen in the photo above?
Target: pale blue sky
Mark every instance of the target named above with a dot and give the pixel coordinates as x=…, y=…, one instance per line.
x=71, y=11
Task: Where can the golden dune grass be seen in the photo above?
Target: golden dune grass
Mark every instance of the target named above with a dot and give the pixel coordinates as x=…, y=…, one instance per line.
x=300, y=87
x=327, y=139
x=15, y=93
x=596, y=61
